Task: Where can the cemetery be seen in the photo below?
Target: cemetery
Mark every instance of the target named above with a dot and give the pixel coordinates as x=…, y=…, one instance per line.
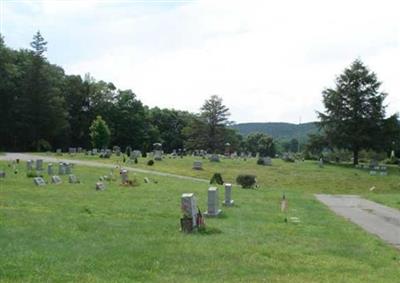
x=141, y=173
x=148, y=221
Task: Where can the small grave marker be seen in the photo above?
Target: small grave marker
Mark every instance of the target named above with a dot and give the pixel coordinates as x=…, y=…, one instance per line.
x=39, y=164
x=2, y=174
x=100, y=186
x=56, y=180
x=197, y=165
x=50, y=169
x=72, y=179
x=39, y=181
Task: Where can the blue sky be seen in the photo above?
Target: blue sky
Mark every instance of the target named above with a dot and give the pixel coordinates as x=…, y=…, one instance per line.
x=268, y=60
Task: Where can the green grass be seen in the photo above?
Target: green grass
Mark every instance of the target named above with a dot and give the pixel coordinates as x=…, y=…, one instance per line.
x=303, y=177
x=65, y=233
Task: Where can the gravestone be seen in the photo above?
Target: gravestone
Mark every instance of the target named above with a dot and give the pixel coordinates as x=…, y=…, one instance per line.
x=197, y=165
x=228, y=195
x=56, y=180
x=158, y=155
x=68, y=168
x=94, y=151
x=124, y=176
x=61, y=168
x=39, y=164
x=50, y=169
x=59, y=151
x=146, y=180
x=100, y=186
x=136, y=154
x=80, y=150
x=72, y=179
x=321, y=163
x=267, y=161
x=212, y=203
x=39, y=181
x=214, y=158
x=29, y=165
x=2, y=174
x=189, y=207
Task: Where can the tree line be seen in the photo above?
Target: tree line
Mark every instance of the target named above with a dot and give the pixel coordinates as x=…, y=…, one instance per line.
x=42, y=108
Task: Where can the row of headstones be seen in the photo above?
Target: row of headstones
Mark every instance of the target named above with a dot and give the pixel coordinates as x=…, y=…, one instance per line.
x=189, y=204
x=64, y=168
x=39, y=181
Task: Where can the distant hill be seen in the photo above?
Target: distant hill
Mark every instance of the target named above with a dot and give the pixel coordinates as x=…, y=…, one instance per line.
x=278, y=130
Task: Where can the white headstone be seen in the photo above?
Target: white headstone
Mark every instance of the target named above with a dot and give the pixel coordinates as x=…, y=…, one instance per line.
x=158, y=155
x=228, y=195
x=213, y=203
x=189, y=207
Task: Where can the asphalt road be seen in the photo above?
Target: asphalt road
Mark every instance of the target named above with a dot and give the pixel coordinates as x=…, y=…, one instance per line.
x=375, y=218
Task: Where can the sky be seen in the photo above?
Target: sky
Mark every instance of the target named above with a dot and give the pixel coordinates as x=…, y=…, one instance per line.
x=268, y=60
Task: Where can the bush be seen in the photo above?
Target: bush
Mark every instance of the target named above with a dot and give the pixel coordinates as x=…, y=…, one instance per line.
x=246, y=181
x=33, y=174
x=128, y=151
x=135, y=161
x=150, y=162
x=260, y=161
x=217, y=179
x=144, y=154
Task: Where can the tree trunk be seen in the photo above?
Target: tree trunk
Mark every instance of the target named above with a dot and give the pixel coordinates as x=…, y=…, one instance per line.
x=355, y=157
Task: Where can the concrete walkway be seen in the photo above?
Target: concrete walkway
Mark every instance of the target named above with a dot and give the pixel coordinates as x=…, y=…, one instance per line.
x=375, y=218
x=26, y=156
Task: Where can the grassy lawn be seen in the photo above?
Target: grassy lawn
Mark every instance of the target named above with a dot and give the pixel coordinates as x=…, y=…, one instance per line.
x=303, y=177
x=61, y=233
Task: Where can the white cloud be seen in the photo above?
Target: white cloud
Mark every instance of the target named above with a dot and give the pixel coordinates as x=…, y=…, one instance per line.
x=269, y=60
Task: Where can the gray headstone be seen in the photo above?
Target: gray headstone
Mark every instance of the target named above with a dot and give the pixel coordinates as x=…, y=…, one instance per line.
x=214, y=158
x=68, y=168
x=72, y=179
x=146, y=180
x=39, y=181
x=50, y=169
x=29, y=165
x=56, y=180
x=124, y=176
x=189, y=206
x=100, y=186
x=2, y=174
x=228, y=195
x=61, y=168
x=197, y=165
x=212, y=203
x=39, y=164
x=158, y=155
x=59, y=151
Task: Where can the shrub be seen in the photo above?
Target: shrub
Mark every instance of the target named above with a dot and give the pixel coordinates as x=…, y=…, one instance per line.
x=150, y=162
x=246, y=181
x=260, y=161
x=33, y=174
x=128, y=151
x=217, y=179
x=135, y=161
x=144, y=154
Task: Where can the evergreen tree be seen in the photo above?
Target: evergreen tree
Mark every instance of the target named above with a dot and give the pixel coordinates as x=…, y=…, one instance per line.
x=354, y=111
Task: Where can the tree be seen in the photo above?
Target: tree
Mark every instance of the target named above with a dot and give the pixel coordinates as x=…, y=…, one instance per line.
x=354, y=111
x=99, y=133
x=215, y=117
x=262, y=143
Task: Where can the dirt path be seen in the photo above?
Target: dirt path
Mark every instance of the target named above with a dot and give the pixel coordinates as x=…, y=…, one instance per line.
x=375, y=218
x=26, y=156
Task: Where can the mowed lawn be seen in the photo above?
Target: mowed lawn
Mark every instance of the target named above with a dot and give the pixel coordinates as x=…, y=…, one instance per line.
x=64, y=233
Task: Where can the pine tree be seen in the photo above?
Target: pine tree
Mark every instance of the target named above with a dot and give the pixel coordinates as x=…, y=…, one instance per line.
x=354, y=111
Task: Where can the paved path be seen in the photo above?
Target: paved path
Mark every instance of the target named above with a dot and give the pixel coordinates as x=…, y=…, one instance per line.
x=375, y=218
x=26, y=156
